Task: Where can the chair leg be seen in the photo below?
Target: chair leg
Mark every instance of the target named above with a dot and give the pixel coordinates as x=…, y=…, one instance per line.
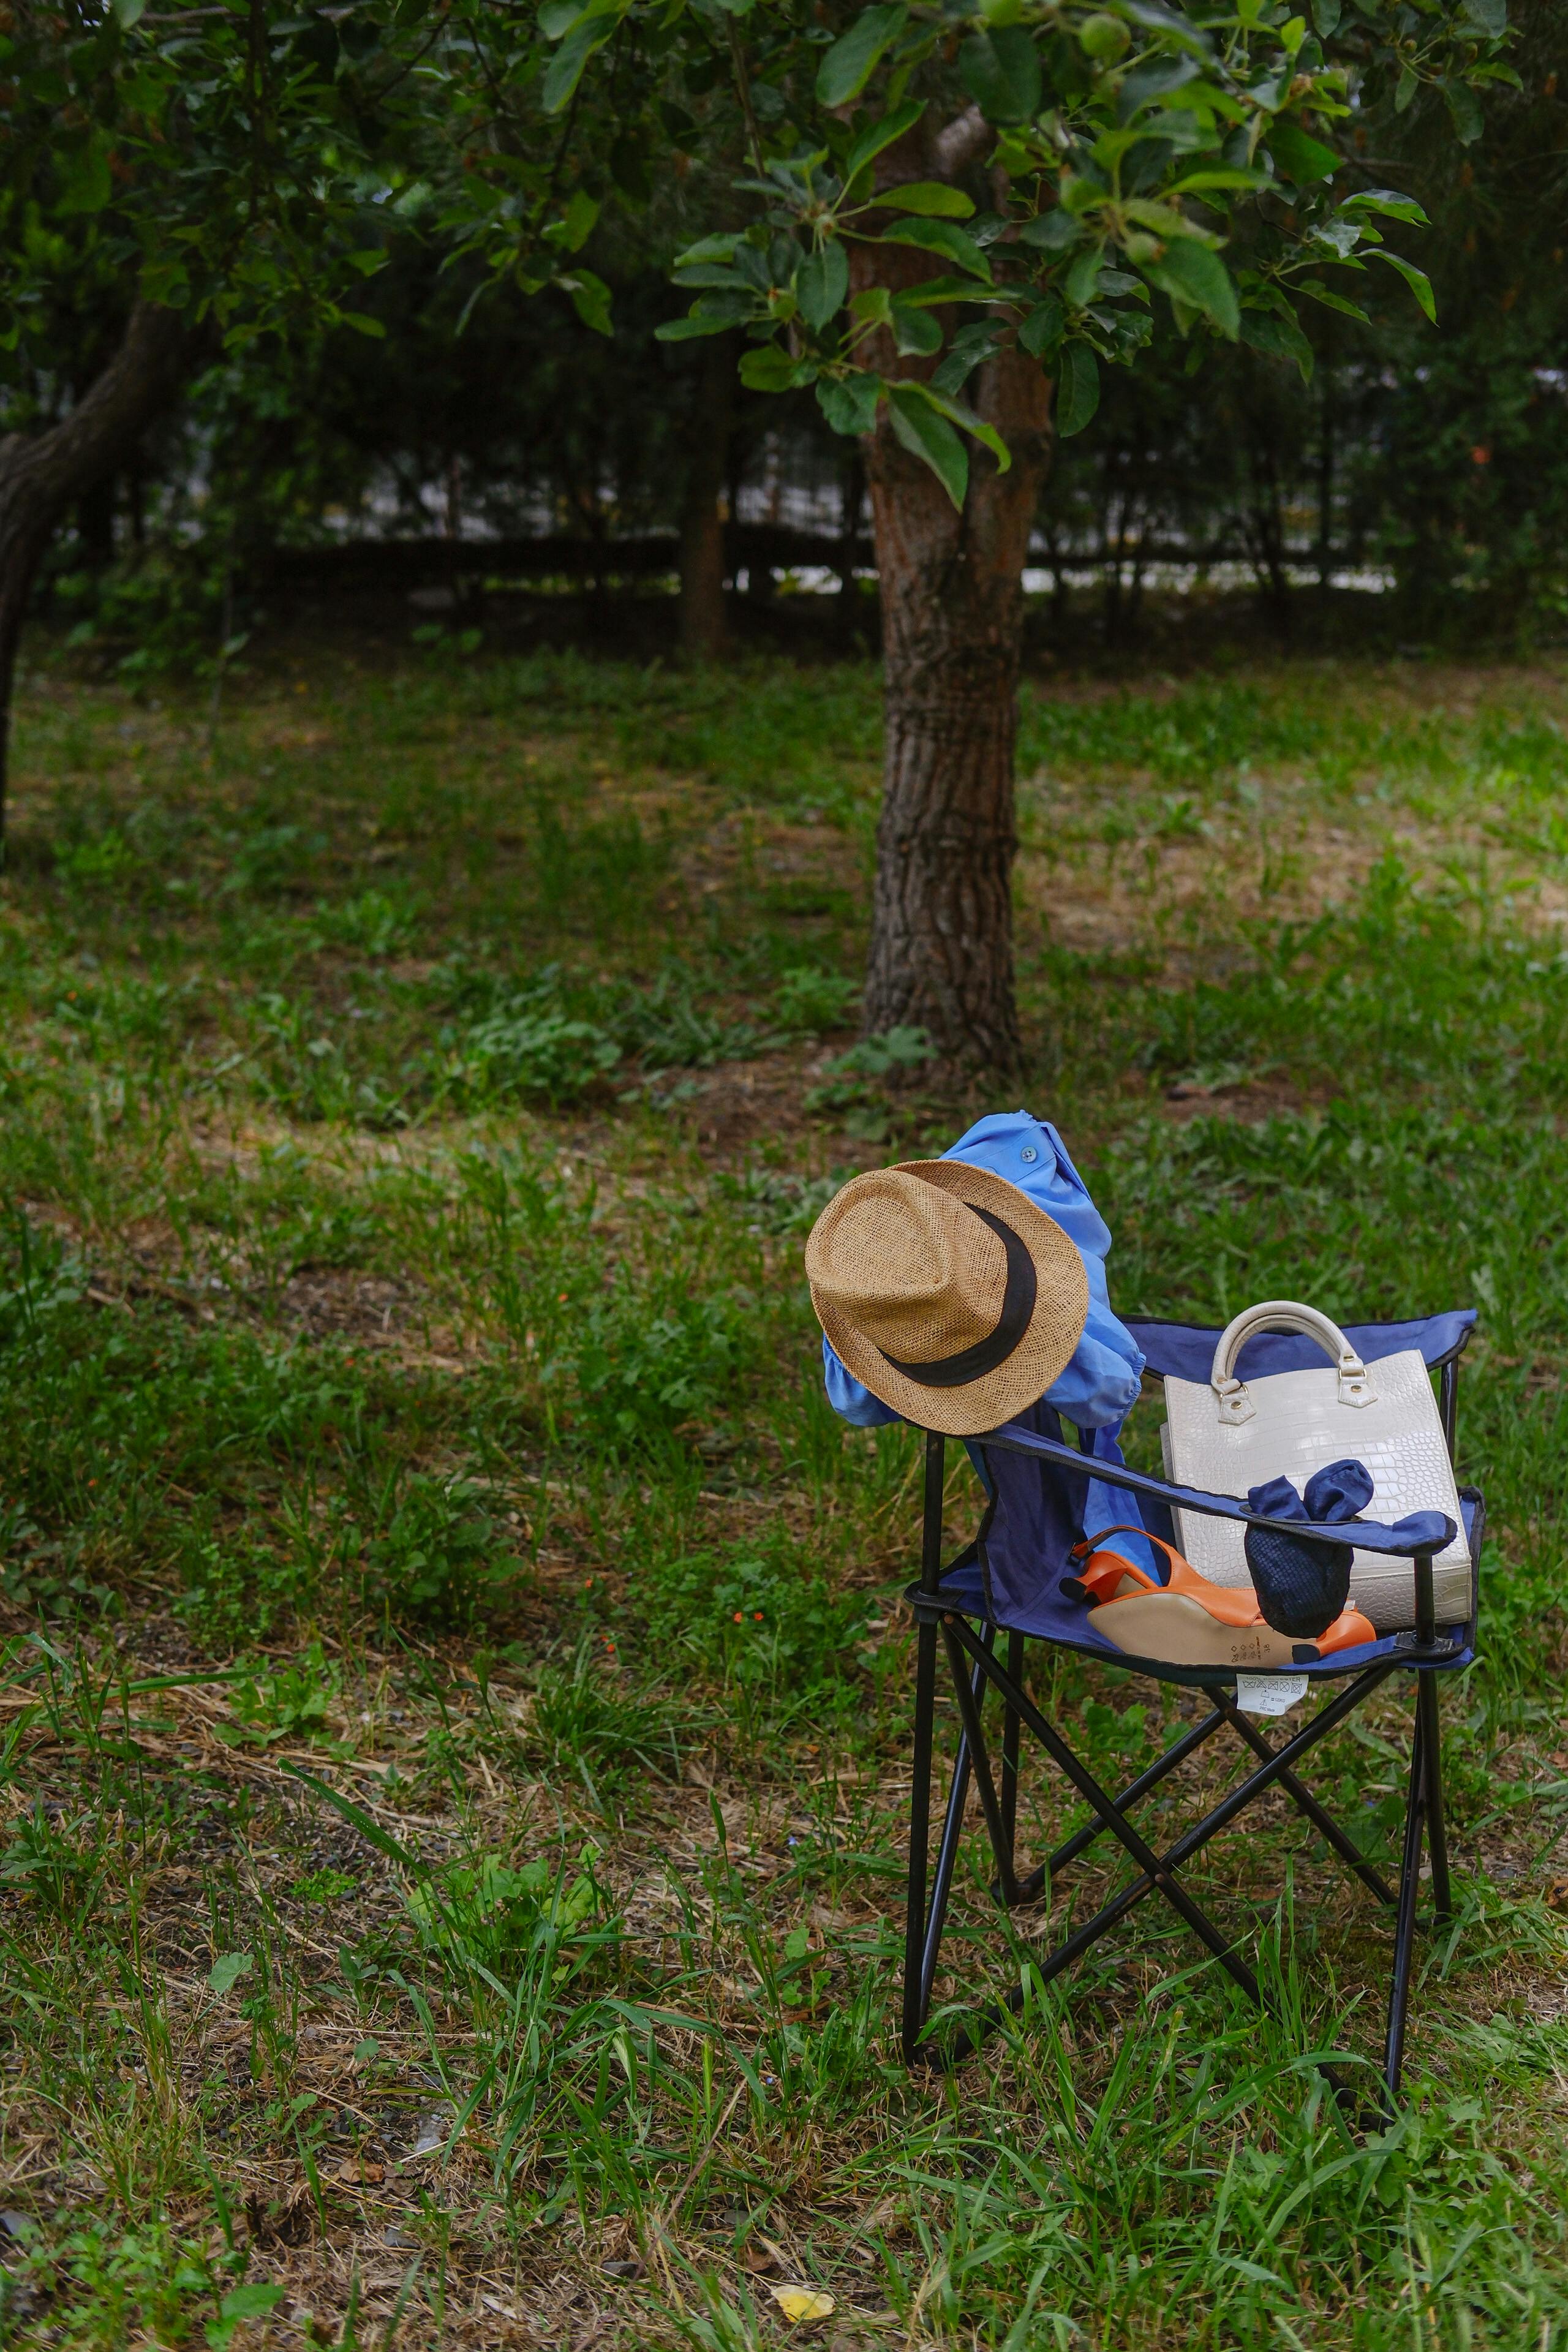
x=1010, y=1757
x=946, y=1860
x=1404, y=1925
x=920, y=1840
x=1437, y=1827
x=1082, y=1839
x=1303, y=1799
x=1160, y=1871
x=968, y=1688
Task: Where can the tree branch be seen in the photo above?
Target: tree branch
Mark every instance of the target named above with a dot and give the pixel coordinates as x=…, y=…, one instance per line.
x=959, y=142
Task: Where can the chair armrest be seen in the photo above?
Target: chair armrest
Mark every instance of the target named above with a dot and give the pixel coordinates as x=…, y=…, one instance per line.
x=1366, y=1535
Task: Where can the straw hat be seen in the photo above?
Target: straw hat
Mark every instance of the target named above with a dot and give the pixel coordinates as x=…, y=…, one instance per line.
x=947, y=1292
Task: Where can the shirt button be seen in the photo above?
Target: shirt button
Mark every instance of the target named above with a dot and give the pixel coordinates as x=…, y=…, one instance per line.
x=1028, y=1152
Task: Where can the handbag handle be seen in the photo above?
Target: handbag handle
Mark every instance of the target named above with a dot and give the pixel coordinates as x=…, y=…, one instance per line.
x=1355, y=1382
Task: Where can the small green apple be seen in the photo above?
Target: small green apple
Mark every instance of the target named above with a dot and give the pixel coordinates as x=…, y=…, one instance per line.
x=1104, y=38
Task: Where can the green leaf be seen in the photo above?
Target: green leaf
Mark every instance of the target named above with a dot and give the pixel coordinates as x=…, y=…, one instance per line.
x=1000, y=68
x=575, y=227
x=224, y=1973
x=1406, y=88
x=1079, y=285
x=128, y=12
x=944, y=237
x=368, y=1829
x=364, y=324
x=933, y=291
x=708, y=248
x=915, y=331
x=687, y=330
x=1168, y=22
x=850, y=403
x=871, y=141
x=1279, y=338
x=1194, y=274
x=1238, y=178
x=930, y=196
x=590, y=299
x=928, y=436
x=848, y=64
x=1491, y=16
x=558, y=16
x=822, y=282
x=1389, y=201
x=1326, y=15
x=958, y=412
x=1420, y=285
x=1163, y=220
x=1078, y=390
x=970, y=348
x=1466, y=109
x=1043, y=327
x=770, y=368
x=1300, y=157
x=251, y=2302
x=85, y=182
x=1333, y=301
x=1053, y=232
x=565, y=68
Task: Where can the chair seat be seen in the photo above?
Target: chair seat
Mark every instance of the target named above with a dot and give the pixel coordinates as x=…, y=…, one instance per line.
x=1050, y=1615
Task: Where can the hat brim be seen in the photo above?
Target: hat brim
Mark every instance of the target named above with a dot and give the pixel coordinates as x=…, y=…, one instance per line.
x=1041, y=1356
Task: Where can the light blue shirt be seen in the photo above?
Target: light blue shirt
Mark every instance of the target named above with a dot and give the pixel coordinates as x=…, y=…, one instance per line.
x=1099, y=1386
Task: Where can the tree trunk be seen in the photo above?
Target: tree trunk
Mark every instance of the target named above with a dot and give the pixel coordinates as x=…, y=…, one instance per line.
x=952, y=607
x=43, y=474
x=95, y=524
x=704, y=617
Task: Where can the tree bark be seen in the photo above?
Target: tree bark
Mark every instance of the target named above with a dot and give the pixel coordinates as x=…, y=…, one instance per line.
x=704, y=626
x=42, y=475
x=953, y=606
x=95, y=524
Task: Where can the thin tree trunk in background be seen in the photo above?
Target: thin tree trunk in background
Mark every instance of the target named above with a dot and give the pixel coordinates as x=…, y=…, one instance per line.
x=704, y=625
x=1268, y=536
x=1325, y=478
x=953, y=606
x=43, y=474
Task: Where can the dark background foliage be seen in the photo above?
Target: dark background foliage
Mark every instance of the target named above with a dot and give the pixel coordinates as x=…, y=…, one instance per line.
x=1436, y=458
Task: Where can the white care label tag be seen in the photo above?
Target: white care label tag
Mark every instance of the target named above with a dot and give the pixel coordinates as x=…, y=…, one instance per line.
x=1268, y=1694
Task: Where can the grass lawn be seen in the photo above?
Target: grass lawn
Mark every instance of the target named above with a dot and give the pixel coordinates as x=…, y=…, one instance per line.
x=456, y=1695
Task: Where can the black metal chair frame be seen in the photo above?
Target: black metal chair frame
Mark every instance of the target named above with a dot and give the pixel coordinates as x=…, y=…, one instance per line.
x=975, y=1667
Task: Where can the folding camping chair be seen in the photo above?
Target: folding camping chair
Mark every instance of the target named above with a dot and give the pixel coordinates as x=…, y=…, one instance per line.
x=1007, y=1584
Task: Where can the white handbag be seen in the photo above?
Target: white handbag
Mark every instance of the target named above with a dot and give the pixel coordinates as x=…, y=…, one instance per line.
x=1226, y=1435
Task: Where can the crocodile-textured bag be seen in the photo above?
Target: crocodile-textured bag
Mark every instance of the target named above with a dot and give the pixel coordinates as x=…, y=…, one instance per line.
x=1226, y=1434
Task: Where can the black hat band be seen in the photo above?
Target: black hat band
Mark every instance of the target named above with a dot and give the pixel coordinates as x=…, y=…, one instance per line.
x=1017, y=1307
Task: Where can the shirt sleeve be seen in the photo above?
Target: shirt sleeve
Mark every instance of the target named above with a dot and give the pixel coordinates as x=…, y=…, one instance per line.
x=854, y=1402
x=1099, y=1384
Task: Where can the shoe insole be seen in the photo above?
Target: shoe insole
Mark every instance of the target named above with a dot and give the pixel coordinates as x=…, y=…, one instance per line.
x=1168, y=1625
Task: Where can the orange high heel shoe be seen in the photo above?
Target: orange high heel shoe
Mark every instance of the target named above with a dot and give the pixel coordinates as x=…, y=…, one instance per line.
x=1191, y=1621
